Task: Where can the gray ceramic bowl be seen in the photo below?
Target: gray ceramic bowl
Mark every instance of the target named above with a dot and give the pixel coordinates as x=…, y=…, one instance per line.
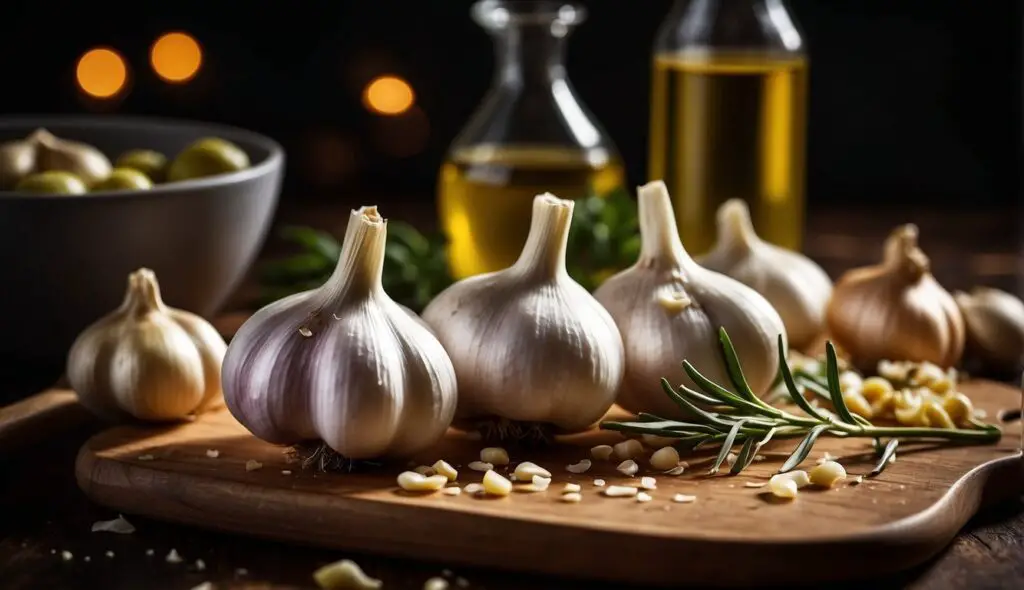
x=66, y=259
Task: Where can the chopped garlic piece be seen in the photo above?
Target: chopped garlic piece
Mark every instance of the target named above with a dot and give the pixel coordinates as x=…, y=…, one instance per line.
x=571, y=487
x=602, y=452
x=481, y=466
x=599, y=482
x=665, y=458
x=674, y=301
x=628, y=467
x=200, y=565
x=473, y=488
x=286, y=472
x=755, y=484
x=452, y=491
x=857, y=480
x=648, y=483
x=730, y=459
x=118, y=525
x=827, y=474
x=643, y=497
x=411, y=481
x=798, y=476
x=204, y=586
x=253, y=465
x=345, y=575
x=496, y=485
x=656, y=442
x=150, y=552
x=212, y=453
x=782, y=486
x=527, y=470
x=435, y=584
x=109, y=553
x=683, y=499
x=826, y=457
x=572, y=497
x=66, y=555
x=425, y=470
x=541, y=483
x=677, y=470
x=173, y=557
x=442, y=467
x=494, y=456
x=628, y=449
x=620, y=491
x=582, y=467
x=146, y=457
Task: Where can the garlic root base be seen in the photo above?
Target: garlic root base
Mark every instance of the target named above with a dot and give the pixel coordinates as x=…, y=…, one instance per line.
x=503, y=430
x=318, y=456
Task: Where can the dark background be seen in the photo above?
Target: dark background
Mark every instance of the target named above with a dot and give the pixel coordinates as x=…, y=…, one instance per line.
x=910, y=101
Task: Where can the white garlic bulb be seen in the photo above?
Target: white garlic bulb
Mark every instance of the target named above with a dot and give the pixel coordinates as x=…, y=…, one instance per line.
x=895, y=310
x=995, y=327
x=670, y=309
x=529, y=344
x=795, y=286
x=342, y=364
x=147, y=360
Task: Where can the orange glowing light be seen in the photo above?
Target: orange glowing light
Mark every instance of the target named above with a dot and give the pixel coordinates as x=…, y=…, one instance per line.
x=101, y=72
x=388, y=95
x=176, y=57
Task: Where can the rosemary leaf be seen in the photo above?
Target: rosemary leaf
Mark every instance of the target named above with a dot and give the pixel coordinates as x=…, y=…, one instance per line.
x=732, y=365
x=730, y=439
x=887, y=455
x=835, y=392
x=803, y=449
x=798, y=398
x=689, y=406
x=745, y=456
x=723, y=395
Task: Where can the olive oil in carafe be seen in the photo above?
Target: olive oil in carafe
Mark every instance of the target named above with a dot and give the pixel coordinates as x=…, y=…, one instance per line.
x=731, y=126
x=486, y=193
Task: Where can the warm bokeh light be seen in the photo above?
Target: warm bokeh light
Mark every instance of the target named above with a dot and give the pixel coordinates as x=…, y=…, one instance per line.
x=101, y=72
x=388, y=95
x=176, y=57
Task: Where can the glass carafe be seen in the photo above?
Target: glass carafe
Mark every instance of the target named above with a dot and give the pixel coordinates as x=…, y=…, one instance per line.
x=728, y=116
x=530, y=135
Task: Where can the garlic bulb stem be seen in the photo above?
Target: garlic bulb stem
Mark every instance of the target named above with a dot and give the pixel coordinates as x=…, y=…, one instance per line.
x=659, y=234
x=903, y=253
x=543, y=255
x=361, y=265
x=143, y=294
x=735, y=229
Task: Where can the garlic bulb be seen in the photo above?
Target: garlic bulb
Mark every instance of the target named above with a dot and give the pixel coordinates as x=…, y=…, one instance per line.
x=342, y=364
x=795, y=286
x=529, y=344
x=995, y=327
x=670, y=309
x=147, y=360
x=17, y=160
x=80, y=159
x=896, y=310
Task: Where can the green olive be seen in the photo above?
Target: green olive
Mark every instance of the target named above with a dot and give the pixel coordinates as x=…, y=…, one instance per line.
x=207, y=157
x=54, y=182
x=151, y=163
x=124, y=179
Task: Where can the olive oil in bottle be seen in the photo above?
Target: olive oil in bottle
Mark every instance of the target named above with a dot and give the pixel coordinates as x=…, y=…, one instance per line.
x=728, y=117
x=486, y=197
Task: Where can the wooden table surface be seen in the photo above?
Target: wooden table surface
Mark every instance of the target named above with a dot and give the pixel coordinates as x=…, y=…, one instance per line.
x=44, y=513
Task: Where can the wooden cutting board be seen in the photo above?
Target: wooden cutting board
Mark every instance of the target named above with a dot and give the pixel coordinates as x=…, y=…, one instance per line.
x=732, y=535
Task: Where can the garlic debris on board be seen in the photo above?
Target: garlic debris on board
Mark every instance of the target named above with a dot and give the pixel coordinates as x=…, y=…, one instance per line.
x=896, y=310
x=342, y=364
x=147, y=360
x=529, y=344
x=669, y=308
x=80, y=159
x=794, y=284
x=995, y=326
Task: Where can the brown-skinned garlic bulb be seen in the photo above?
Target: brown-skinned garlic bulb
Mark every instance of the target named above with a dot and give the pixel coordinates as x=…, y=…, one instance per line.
x=147, y=360
x=995, y=327
x=342, y=365
x=896, y=310
x=80, y=159
x=669, y=309
x=529, y=344
x=794, y=284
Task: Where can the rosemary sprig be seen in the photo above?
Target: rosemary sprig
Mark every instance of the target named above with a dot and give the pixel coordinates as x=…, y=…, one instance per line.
x=728, y=417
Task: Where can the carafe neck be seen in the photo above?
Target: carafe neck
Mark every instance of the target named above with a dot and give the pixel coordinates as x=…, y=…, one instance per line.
x=529, y=54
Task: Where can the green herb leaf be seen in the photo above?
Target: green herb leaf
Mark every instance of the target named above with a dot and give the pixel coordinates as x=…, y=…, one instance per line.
x=794, y=393
x=726, y=447
x=745, y=457
x=835, y=392
x=803, y=449
x=887, y=454
x=732, y=365
x=313, y=240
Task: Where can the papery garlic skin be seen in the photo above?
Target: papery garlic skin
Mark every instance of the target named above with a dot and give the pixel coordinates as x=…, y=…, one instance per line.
x=343, y=364
x=669, y=309
x=794, y=284
x=530, y=344
x=995, y=327
x=147, y=360
x=896, y=310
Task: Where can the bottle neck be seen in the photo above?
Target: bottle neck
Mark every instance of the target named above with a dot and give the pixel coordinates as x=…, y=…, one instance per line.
x=530, y=54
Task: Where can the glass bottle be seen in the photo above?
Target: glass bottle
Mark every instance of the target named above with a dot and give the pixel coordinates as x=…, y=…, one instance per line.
x=728, y=116
x=530, y=135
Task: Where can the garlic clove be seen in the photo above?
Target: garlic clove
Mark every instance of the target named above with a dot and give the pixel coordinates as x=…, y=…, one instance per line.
x=669, y=308
x=995, y=327
x=146, y=360
x=342, y=364
x=17, y=160
x=529, y=344
x=896, y=310
x=794, y=284
x=80, y=159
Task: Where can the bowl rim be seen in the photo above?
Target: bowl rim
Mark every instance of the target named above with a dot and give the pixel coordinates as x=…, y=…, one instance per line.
x=275, y=158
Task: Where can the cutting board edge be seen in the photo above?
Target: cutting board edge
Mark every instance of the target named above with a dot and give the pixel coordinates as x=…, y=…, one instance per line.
x=895, y=547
